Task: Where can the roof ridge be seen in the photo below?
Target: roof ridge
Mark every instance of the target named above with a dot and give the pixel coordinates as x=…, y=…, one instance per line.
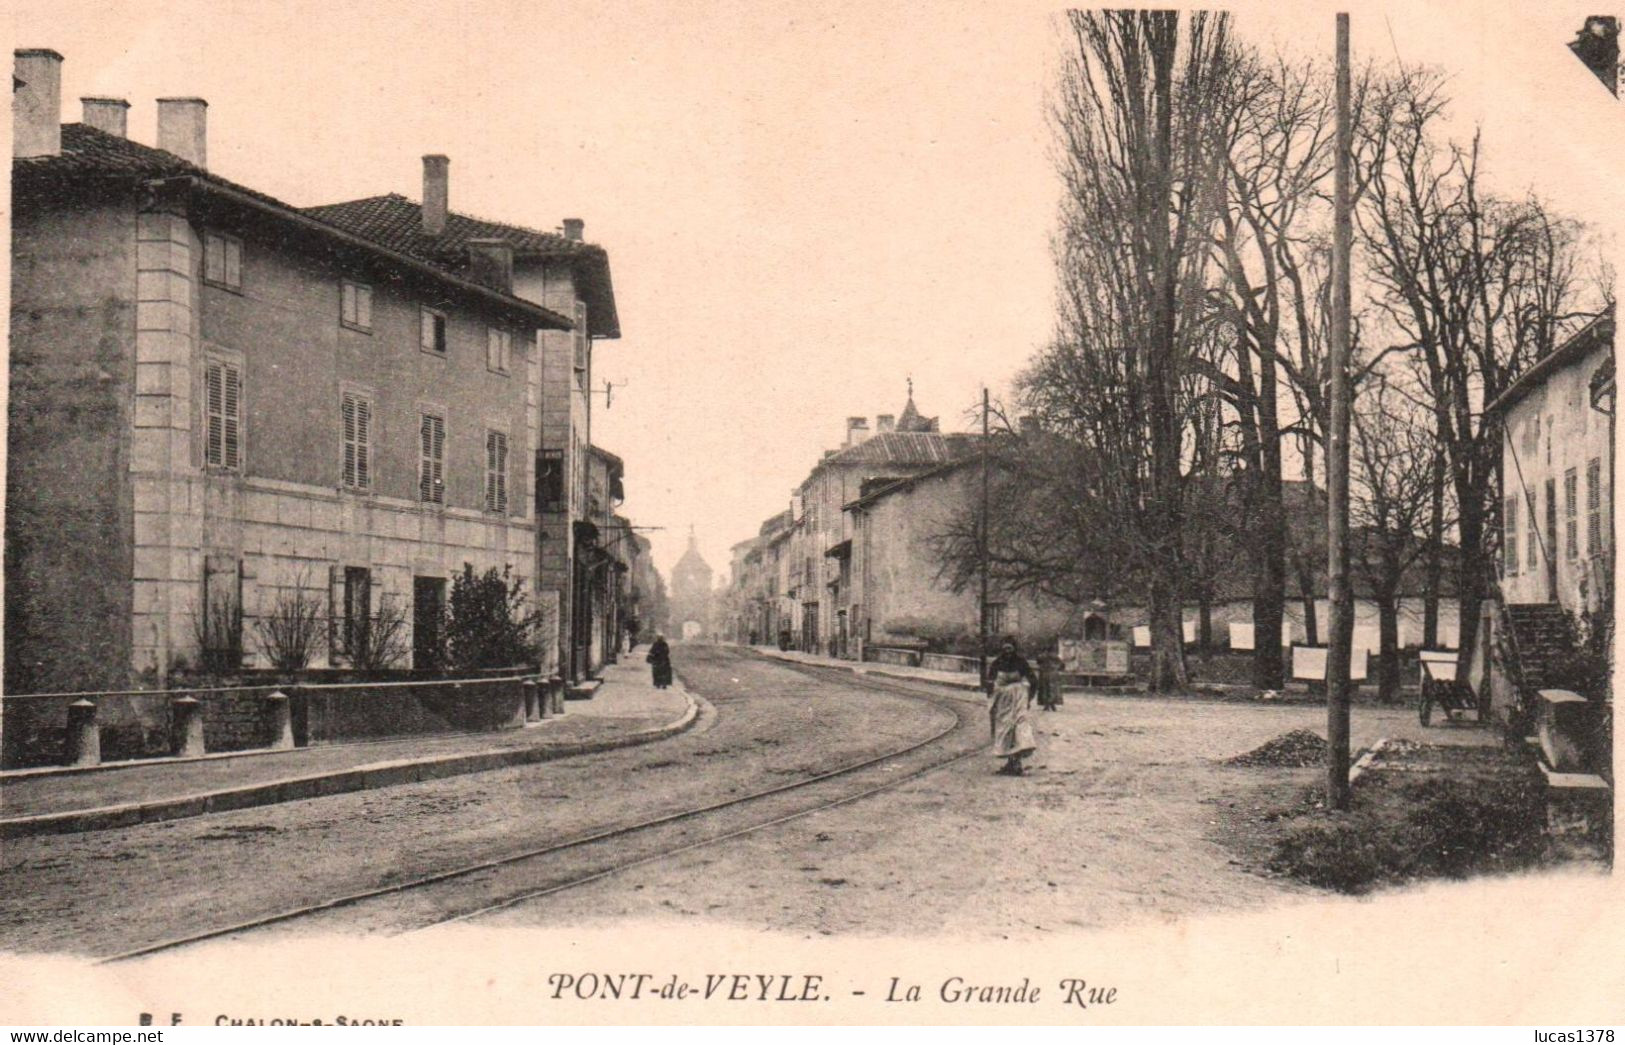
x=467, y=216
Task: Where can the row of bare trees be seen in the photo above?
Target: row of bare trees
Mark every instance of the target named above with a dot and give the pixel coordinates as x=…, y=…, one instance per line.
x=1187, y=377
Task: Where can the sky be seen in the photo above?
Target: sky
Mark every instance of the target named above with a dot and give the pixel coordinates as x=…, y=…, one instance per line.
x=805, y=204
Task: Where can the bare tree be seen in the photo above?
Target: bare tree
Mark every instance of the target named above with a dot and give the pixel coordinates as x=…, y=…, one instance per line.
x=1142, y=164
x=1477, y=288
x=1390, y=508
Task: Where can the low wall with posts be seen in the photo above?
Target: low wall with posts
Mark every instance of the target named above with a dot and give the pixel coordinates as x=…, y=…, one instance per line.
x=907, y=658
x=54, y=729
x=950, y=662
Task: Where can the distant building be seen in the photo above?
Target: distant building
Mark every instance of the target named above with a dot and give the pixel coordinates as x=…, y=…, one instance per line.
x=818, y=605
x=692, y=606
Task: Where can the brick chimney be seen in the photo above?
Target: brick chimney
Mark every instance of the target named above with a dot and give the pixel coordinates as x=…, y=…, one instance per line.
x=857, y=430
x=36, y=102
x=183, y=129
x=886, y=423
x=490, y=262
x=107, y=114
x=436, y=194
x=574, y=228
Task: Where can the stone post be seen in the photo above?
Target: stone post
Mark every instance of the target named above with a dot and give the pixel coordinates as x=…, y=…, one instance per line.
x=279, y=720
x=84, y=746
x=186, y=730
x=533, y=700
x=555, y=694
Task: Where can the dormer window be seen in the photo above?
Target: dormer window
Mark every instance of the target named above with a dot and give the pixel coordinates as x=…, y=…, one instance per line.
x=223, y=260
x=433, y=337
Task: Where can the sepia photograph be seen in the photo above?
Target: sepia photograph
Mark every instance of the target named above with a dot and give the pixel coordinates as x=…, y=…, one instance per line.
x=810, y=513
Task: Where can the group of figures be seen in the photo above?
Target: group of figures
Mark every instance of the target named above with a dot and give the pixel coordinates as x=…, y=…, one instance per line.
x=1014, y=689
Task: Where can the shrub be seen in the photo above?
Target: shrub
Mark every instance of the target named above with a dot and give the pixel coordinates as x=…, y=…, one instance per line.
x=380, y=643
x=218, y=631
x=294, y=630
x=487, y=623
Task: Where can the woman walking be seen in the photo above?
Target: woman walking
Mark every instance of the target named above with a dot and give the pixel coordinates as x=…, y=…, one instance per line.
x=1013, y=683
x=659, y=659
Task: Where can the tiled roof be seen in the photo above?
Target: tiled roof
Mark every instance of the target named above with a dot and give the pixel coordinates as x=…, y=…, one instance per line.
x=89, y=154
x=90, y=157
x=397, y=222
x=903, y=448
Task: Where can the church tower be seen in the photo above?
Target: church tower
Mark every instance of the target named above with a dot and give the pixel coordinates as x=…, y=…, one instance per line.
x=690, y=599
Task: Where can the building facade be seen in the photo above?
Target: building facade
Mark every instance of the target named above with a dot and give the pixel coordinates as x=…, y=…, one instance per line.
x=224, y=406
x=693, y=607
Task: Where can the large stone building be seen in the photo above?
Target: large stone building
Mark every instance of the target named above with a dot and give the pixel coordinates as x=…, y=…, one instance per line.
x=221, y=402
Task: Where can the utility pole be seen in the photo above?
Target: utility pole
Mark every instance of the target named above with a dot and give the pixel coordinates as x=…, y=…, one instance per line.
x=981, y=534
x=1337, y=453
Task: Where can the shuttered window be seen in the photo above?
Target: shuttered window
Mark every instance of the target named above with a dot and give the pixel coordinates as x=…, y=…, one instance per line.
x=432, y=469
x=433, y=334
x=498, y=350
x=1509, y=535
x=223, y=260
x=223, y=394
x=1594, y=507
x=355, y=305
x=357, y=412
x=1532, y=552
x=496, y=471
x=579, y=337
x=1571, y=513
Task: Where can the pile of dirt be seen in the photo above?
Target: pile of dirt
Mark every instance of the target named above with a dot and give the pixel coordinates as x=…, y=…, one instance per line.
x=1299, y=748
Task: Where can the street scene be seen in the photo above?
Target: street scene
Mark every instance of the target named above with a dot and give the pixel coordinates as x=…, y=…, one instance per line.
x=1215, y=518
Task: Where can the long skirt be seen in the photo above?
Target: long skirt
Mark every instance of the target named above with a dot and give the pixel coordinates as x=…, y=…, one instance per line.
x=662, y=673
x=1012, y=726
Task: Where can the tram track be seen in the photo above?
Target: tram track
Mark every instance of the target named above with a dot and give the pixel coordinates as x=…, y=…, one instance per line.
x=481, y=888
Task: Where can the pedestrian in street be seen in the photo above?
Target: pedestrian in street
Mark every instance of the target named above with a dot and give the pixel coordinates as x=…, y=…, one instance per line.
x=659, y=658
x=1013, y=683
x=1049, y=681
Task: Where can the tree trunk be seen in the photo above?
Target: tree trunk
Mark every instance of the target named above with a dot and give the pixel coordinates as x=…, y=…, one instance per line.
x=1167, y=637
x=1433, y=565
x=1388, y=657
x=1205, y=627
x=1269, y=584
x=1470, y=580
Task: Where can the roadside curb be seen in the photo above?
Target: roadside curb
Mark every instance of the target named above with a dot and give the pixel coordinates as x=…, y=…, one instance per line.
x=355, y=778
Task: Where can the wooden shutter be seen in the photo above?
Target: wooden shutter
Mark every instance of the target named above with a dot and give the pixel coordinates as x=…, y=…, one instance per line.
x=496, y=472
x=214, y=405
x=348, y=411
x=232, y=413
x=357, y=441
x=431, y=476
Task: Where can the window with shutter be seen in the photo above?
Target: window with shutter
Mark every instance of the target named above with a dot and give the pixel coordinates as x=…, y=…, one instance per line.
x=357, y=423
x=1509, y=535
x=223, y=405
x=431, y=472
x=433, y=334
x=355, y=306
x=1571, y=513
x=1594, y=507
x=223, y=260
x=1532, y=539
x=498, y=350
x=496, y=472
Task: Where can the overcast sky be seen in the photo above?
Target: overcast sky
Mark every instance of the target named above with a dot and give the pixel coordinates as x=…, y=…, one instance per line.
x=804, y=204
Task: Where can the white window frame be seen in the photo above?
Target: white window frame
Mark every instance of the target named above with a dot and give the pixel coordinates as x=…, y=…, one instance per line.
x=223, y=260
x=355, y=305
x=220, y=454
x=356, y=423
x=498, y=350
x=431, y=464
x=427, y=341
x=496, y=471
